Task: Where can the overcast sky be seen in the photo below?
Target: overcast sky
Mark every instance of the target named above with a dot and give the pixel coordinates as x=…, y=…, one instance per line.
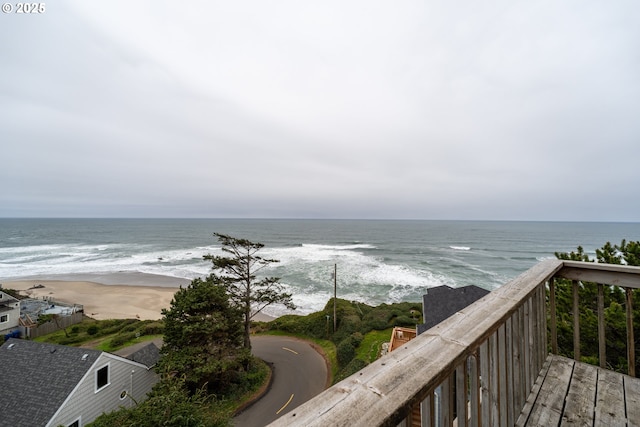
x=324, y=109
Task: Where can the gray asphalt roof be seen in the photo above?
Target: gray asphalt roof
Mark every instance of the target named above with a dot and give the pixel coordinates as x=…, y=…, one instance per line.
x=36, y=378
x=6, y=299
x=442, y=301
x=147, y=355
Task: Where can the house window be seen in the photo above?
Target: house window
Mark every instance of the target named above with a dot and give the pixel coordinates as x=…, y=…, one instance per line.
x=4, y=318
x=102, y=378
x=76, y=423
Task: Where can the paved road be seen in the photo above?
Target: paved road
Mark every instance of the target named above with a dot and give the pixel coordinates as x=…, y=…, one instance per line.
x=299, y=373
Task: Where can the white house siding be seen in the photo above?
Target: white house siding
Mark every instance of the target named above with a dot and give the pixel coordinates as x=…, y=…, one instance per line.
x=12, y=311
x=88, y=404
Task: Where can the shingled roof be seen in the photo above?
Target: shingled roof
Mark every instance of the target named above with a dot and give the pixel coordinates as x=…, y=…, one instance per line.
x=442, y=301
x=147, y=355
x=6, y=301
x=38, y=377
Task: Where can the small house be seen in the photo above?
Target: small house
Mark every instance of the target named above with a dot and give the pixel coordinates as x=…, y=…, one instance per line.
x=51, y=385
x=9, y=313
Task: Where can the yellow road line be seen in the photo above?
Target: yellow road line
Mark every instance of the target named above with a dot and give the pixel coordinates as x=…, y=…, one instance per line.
x=285, y=405
x=288, y=349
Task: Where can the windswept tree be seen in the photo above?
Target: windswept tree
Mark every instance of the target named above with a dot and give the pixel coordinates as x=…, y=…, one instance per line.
x=203, y=337
x=238, y=273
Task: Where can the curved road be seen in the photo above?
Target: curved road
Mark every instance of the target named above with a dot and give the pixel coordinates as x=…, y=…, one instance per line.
x=299, y=373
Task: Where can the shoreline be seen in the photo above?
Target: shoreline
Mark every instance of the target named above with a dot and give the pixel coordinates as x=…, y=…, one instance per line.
x=123, y=278
x=123, y=296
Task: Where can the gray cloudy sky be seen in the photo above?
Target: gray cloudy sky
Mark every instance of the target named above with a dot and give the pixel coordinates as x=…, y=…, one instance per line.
x=324, y=109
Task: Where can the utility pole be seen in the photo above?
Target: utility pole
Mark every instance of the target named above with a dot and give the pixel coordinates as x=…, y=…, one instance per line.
x=335, y=296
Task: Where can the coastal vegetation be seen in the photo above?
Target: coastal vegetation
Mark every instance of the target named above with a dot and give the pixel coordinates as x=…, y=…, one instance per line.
x=169, y=404
x=203, y=339
x=361, y=330
x=106, y=335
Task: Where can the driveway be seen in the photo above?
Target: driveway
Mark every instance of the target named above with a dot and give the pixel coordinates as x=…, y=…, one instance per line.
x=299, y=373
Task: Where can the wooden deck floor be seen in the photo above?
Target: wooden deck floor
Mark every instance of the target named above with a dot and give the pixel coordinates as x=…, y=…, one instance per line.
x=571, y=393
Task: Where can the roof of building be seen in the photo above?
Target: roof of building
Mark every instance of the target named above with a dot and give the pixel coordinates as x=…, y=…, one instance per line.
x=5, y=298
x=38, y=377
x=442, y=301
x=147, y=355
x=34, y=308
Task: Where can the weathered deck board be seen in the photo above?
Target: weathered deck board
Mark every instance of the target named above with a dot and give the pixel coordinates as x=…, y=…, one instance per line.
x=547, y=409
x=570, y=393
x=610, y=406
x=632, y=397
x=579, y=405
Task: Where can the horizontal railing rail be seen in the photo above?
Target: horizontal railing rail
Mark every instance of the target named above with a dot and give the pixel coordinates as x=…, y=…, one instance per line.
x=475, y=368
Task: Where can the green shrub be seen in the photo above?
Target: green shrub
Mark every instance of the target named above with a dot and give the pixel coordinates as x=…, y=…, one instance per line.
x=289, y=323
x=374, y=324
x=404, y=321
x=71, y=340
x=169, y=404
x=122, y=338
x=347, y=325
x=115, y=325
x=153, y=328
x=345, y=351
x=129, y=328
x=93, y=330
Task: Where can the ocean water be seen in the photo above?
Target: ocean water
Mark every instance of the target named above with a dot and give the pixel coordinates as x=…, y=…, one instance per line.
x=377, y=260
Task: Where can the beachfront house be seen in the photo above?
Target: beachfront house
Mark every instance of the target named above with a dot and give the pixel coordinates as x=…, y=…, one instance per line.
x=34, y=312
x=9, y=313
x=51, y=385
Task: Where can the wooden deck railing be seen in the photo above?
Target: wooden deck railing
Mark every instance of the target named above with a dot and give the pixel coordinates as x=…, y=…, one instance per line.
x=628, y=278
x=475, y=368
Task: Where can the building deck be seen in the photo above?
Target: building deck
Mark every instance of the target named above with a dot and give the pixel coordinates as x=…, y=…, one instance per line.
x=573, y=393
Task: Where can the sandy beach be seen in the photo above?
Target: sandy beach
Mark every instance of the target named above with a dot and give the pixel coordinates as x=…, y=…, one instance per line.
x=130, y=300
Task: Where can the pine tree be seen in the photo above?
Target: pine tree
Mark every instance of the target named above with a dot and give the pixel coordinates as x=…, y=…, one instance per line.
x=203, y=337
x=237, y=273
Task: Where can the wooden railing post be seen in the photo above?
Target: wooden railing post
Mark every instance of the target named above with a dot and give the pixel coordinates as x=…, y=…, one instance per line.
x=446, y=402
x=541, y=302
x=512, y=412
x=474, y=395
x=427, y=411
x=602, y=343
x=576, y=321
x=631, y=351
x=485, y=385
x=552, y=315
x=462, y=391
